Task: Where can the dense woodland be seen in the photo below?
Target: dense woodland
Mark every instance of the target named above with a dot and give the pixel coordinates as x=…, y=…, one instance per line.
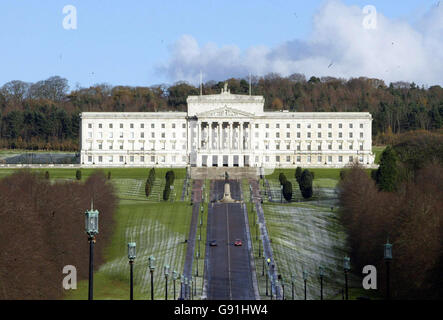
x=403, y=202
x=43, y=229
x=45, y=114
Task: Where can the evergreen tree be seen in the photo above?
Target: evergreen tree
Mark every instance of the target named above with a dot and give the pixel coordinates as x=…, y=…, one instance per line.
x=387, y=173
x=306, y=184
x=78, y=175
x=287, y=190
x=298, y=173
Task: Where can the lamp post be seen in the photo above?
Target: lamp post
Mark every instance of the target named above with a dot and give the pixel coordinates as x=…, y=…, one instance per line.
x=267, y=270
x=281, y=193
x=174, y=278
x=272, y=287
x=259, y=246
x=91, y=228
x=292, y=286
x=283, y=288
x=388, y=258
x=346, y=268
x=131, y=257
x=192, y=288
x=166, y=272
x=321, y=273
x=151, y=269
x=182, y=280
x=305, y=279
x=196, y=270
x=186, y=288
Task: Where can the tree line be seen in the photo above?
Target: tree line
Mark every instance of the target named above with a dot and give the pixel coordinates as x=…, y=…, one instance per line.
x=43, y=230
x=45, y=114
x=402, y=202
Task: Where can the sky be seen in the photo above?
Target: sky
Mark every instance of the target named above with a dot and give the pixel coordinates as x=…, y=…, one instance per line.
x=144, y=43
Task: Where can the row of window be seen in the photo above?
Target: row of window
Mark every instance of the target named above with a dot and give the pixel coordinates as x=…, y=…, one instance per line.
x=132, y=125
x=110, y=135
x=310, y=135
x=309, y=125
x=132, y=159
x=310, y=159
x=151, y=146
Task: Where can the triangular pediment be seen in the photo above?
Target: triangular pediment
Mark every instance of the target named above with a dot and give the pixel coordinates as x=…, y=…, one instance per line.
x=225, y=112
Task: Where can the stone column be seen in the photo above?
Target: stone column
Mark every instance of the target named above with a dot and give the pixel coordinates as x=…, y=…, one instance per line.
x=229, y=136
x=219, y=135
x=199, y=124
x=240, y=135
x=210, y=136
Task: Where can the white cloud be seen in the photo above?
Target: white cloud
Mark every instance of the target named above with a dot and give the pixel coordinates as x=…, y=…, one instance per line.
x=394, y=51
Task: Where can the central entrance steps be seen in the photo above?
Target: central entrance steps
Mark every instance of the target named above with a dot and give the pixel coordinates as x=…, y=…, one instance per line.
x=218, y=173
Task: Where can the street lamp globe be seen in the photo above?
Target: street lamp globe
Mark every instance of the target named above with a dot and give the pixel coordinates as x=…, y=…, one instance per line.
x=174, y=275
x=321, y=271
x=347, y=264
x=166, y=270
x=388, y=251
x=152, y=263
x=305, y=275
x=131, y=251
x=91, y=222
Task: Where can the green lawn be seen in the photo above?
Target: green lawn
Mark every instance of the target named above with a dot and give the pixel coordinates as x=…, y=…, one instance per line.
x=378, y=150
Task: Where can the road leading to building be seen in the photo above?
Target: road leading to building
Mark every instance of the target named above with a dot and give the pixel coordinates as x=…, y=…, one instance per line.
x=228, y=267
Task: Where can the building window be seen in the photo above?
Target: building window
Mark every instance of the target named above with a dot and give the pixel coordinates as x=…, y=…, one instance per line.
x=89, y=158
x=121, y=135
x=288, y=158
x=152, y=134
x=121, y=146
x=142, y=158
x=340, y=134
x=351, y=147
x=184, y=127
x=267, y=126
x=329, y=159
x=309, y=147
x=132, y=135
x=173, y=135
x=329, y=134
x=288, y=125
x=110, y=126
x=288, y=146
x=131, y=158
x=319, y=159
x=319, y=147
x=267, y=135
x=90, y=125
x=298, y=135
x=330, y=125
x=163, y=135
x=173, y=126
x=361, y=125
x=110, y=146
x=308, y=134
x=340, y=125
x=256, y=126
x=163, y=125
x=142, y=125
x=298, y=147
x=350, y=126
x=277, y=158
x=152, y=125
x=100, y=159
x=100, y=125
x=298, y=159
x=142, y=134
x=100, y=146
x=267, y=158
x=361, y=135
x=351, y=159
x=110, y=159
x=298, y=125
x=361, y=146
x=330, y=146
x=288, y=134
x=100, y=135
x=277, y=146
x=111, y=135
x=277, y=134
x=309, y=126
x=319, y=134
x=319, y=126
x=277, y=125
x=131, y=126
x=340, y=158
x=309, y=159
x=89, y=134
x=340, y=146
x=152, y=158
x=350, y=135
x=121, y=125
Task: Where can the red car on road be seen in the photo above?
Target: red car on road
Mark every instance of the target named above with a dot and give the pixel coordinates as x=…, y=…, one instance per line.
x=238, y=242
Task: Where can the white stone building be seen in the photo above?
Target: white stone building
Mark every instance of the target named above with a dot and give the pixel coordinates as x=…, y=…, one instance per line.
x=226, y=130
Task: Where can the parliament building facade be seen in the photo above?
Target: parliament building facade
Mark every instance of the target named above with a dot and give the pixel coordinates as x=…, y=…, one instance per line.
x=226, y=130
